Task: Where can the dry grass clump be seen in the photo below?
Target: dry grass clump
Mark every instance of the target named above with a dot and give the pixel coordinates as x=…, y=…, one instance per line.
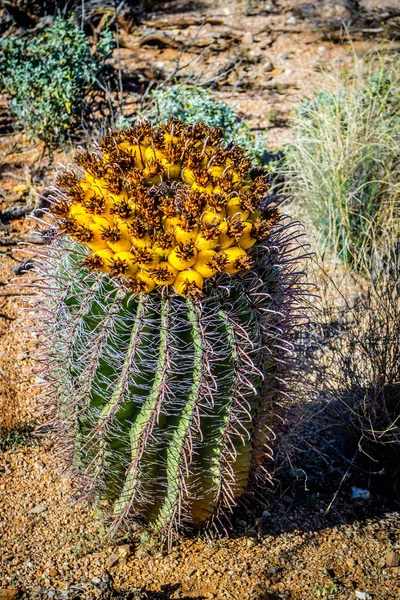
x=344, y=163
x=359, y=364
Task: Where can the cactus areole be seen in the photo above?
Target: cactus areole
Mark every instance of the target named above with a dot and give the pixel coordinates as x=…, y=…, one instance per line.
x=168, y=322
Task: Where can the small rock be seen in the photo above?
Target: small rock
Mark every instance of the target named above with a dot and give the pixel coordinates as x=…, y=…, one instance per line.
x=210, y=571
x=266, y=514
x=53, y=573
x=112, y=560
x=124, y=551
x=392, y=559
x=248, y=38
x=360, y=494
x=321, y=48
x=8, y=593
x=291, y=21
x=250, y=543
x=96, y=580
x=36, y=510
x=284, y=57
x=268, y=66
x=362, y=595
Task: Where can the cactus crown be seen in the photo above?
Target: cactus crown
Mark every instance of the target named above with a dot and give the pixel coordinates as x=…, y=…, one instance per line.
x=170, y=205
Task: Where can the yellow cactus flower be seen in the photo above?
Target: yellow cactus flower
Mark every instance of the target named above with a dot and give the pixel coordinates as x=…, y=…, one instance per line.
x=211, y=216
x=202, y=264
x=189, y=283
x=188, y=176
x=234, y=209
x=78, y=212
x=164, y=273
x=171, y=223
x=246, y=240
x=225, y=240
x=183, y=256
x=146, y=258
x=135, y=150
x=100, y=259
x=166, y=206
x=117, y=237
x=237, y=260
x=143, y=283
x=182, y=235
x=129, y=259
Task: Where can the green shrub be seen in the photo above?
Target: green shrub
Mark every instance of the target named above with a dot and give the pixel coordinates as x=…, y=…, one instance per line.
x=49, y=78
x=344, y=165
x=22, y=434
x=194, y=105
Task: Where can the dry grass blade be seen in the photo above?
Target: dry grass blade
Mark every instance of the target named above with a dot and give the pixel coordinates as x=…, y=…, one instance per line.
x=344, y=164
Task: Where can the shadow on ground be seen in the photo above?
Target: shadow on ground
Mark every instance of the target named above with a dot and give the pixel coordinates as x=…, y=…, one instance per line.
x=322, y=478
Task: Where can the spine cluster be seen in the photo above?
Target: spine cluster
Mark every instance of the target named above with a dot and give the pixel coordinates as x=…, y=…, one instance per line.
x=165, y=206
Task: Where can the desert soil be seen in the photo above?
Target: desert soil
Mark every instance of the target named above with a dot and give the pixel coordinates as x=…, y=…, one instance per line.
x=307, y=538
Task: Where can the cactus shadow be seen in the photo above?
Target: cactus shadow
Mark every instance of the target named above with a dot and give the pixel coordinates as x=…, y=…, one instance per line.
x=321, y=478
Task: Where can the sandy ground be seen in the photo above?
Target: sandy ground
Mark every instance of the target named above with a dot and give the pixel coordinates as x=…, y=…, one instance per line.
x=296, y=544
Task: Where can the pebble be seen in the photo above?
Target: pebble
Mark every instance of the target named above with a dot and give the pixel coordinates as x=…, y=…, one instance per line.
x=322, y=48
x=268, y=66
x=112, y=560
x=36, y=510
x=266, y=514
x=124, y=551
x=248, y=38
x=362, y=595
x=291, y=21
x=392, y=559
x=359, y=494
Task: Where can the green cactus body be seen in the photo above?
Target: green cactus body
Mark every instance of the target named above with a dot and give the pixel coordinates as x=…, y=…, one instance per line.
x=165, y=396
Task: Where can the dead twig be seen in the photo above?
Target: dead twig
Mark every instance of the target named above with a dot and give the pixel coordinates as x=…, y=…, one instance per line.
x=6, y=317
x=31, y=238
x=15, y=212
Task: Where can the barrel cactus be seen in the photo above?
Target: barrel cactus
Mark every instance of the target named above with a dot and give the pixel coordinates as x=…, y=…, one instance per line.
x=171, y=298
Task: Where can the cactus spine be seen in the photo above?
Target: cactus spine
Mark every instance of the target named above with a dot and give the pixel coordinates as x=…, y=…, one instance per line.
x=167, y=389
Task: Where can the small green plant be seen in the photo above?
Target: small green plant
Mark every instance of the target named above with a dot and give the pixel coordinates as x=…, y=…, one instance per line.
x=169, y=322
x=19, y=436
x=49, y=79
x=344, y=165
x=194, y=104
